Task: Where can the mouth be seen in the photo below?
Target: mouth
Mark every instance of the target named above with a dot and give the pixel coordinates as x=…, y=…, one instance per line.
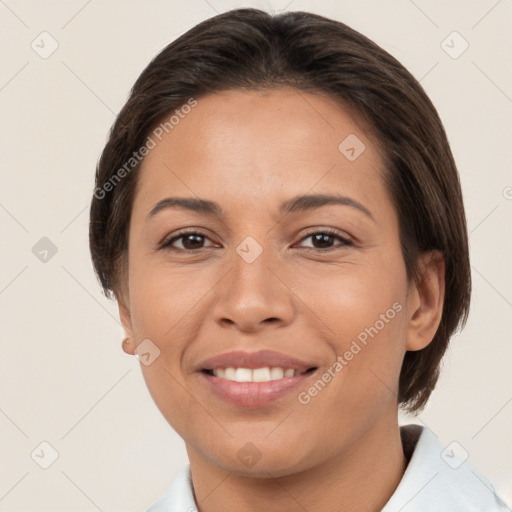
x=254, y=379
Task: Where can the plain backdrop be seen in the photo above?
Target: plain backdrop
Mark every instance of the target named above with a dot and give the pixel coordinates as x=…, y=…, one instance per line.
x=64, y=378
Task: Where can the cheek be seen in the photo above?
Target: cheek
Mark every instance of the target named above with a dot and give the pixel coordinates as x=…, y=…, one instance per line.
x=364, y=309
x=163, y=299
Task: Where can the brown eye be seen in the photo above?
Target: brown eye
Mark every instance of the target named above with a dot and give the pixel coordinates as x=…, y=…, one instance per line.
x=190, y=240
x=325, y=240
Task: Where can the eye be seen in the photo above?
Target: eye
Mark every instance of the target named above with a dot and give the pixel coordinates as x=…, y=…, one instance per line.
x=190, y=240
x=324, y=239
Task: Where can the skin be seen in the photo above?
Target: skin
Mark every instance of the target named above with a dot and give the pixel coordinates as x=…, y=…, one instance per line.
x=249, y=152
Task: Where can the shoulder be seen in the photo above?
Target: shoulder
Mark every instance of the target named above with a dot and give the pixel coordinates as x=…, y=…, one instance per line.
x=179, y=497
x=440, y=478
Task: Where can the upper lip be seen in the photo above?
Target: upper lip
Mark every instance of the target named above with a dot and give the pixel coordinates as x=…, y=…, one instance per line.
x=252, y=360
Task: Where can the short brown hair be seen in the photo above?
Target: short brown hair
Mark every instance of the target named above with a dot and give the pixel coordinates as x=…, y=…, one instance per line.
x=251, y=49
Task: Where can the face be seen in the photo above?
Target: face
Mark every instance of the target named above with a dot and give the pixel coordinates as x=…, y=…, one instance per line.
x=292, y=271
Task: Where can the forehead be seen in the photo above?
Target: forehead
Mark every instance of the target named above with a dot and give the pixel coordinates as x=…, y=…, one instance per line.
x=249, y=145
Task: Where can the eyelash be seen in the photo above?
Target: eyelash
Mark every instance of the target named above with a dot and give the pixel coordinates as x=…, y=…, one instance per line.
x=167, y=245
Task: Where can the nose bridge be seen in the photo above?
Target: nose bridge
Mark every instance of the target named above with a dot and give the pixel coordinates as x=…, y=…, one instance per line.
x=250, y=273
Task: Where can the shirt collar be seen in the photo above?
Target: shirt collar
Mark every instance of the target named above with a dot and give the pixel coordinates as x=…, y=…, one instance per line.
x=437, y=479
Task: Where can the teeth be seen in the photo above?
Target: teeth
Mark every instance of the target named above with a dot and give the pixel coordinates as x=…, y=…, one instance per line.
x=260, y=375
x=243, y=375
x=264, y=374
x=229, y=374
x=276, y=373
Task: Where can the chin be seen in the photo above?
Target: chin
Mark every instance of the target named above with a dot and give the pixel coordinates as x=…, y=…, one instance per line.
x=260, y=459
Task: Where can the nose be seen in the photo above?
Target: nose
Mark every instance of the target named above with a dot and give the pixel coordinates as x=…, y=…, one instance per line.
x=254, y=296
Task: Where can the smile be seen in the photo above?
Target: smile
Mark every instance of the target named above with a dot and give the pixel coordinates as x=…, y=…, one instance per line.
x=264, y=374
x=253, y=379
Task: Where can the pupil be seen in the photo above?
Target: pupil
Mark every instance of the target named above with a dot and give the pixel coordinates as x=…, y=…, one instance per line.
x=193, y=241
x=197, y=239
x=323, y=239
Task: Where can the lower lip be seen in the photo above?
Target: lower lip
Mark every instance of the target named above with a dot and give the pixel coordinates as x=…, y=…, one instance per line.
x=254, y=394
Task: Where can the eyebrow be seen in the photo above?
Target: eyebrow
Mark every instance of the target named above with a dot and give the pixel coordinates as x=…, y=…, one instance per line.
x=295, y=204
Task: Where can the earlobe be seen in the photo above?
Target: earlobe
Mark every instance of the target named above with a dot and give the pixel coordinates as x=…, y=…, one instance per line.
x=126, y=319
x=129, y=346
x=425, y=301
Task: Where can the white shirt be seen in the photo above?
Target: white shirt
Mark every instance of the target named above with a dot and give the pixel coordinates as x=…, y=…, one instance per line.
x=437, y=479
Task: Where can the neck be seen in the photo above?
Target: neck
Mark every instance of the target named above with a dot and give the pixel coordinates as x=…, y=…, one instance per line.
x=363, y=478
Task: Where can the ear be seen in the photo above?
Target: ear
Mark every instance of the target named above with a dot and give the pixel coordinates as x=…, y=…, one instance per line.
x=123, y=304
x=425, y=301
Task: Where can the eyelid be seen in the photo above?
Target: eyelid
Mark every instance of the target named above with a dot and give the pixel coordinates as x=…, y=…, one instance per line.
x=168, y=240
x=347, y=240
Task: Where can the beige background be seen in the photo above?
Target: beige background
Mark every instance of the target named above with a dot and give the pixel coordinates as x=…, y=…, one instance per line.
x=64, y=378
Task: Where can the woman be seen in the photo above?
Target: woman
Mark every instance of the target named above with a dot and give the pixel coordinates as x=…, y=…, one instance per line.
x=279, y=216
